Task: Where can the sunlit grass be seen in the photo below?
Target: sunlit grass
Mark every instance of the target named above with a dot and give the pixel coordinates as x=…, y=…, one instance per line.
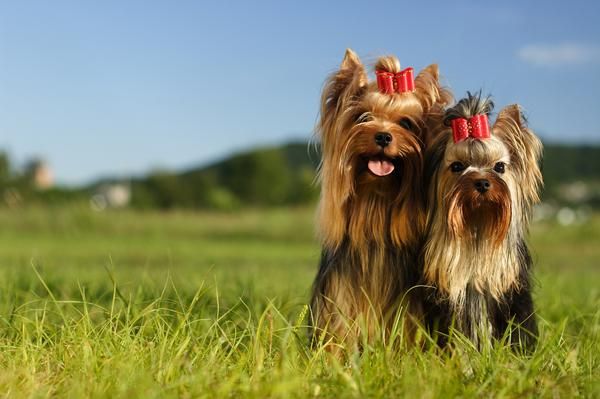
x=128, y=304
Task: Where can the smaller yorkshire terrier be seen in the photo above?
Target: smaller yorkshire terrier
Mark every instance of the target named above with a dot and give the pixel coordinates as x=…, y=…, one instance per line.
x=482, y=186
x=371, y=206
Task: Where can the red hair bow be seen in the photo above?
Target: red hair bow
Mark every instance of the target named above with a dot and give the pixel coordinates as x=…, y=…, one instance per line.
x=390, y=83
x=476, y=127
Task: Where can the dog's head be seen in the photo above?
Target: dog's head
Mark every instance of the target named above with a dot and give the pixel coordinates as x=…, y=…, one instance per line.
x=484, y=184
x=372, y=138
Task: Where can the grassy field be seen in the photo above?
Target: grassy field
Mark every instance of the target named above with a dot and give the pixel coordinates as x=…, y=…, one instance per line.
x=125, y=304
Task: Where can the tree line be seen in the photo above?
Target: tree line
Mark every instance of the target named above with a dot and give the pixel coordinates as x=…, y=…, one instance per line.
x=263, y=177
x=274, y=176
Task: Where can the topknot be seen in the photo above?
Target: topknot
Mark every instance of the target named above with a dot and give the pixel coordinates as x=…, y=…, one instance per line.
x=388, y=63
x=468, y=107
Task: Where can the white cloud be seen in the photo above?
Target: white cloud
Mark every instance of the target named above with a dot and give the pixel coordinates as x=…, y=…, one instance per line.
x=553, y=55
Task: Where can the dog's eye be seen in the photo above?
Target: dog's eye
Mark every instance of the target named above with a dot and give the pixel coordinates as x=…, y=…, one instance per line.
x=457, y=167
x=500, y=167
x=407, y=124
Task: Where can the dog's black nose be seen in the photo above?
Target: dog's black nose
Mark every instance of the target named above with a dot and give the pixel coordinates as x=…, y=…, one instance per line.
x=383, y=139
x=482, y=185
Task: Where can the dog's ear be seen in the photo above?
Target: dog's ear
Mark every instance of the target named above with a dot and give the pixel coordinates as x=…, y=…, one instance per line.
x=525, y=151
x=351, y=60
x=429, y=89
x=341, y=88
x=433, y=98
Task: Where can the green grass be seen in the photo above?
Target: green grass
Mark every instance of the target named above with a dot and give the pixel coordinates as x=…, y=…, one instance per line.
x=126, y=304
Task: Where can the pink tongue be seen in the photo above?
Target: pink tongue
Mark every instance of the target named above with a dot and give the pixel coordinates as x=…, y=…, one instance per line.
x=380, y=167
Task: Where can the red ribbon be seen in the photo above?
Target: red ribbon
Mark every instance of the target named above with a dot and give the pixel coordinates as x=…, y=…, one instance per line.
x=476, y=127
x=390, y=83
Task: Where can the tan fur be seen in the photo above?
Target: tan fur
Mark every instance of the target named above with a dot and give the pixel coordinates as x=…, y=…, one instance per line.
x=362, y=215
x=473, y=240
x=436, y=97
x=526, y=151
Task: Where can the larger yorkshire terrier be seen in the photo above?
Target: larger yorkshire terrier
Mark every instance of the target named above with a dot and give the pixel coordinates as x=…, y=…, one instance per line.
x=371, y=203
x=482, y=187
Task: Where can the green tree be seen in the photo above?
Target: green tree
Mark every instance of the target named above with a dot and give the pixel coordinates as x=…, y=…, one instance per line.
x=260, y=178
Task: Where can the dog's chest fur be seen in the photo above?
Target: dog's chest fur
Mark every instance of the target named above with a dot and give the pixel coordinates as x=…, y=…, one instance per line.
x=473, y=317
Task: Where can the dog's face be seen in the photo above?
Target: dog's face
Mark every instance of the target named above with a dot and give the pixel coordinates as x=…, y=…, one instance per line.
x=381, y=142
x=481, y=186
x=475, y=181
x=373, y=138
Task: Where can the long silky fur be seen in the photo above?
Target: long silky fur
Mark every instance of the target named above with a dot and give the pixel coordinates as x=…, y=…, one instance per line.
x=369, y=226
x=480, y=278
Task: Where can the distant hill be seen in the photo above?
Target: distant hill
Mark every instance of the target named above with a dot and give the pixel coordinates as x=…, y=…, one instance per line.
x=269, y=176
x=284, y=175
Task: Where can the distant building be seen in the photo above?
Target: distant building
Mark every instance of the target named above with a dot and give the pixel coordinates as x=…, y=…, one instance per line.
x=40, y=174
x=575, y=192
x=111, y=195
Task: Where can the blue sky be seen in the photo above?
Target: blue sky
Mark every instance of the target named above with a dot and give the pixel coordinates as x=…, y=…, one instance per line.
x=120, y=87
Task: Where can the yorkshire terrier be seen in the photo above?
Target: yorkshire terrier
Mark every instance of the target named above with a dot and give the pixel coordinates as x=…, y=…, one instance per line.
x=482, y=186
x=371, y=136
